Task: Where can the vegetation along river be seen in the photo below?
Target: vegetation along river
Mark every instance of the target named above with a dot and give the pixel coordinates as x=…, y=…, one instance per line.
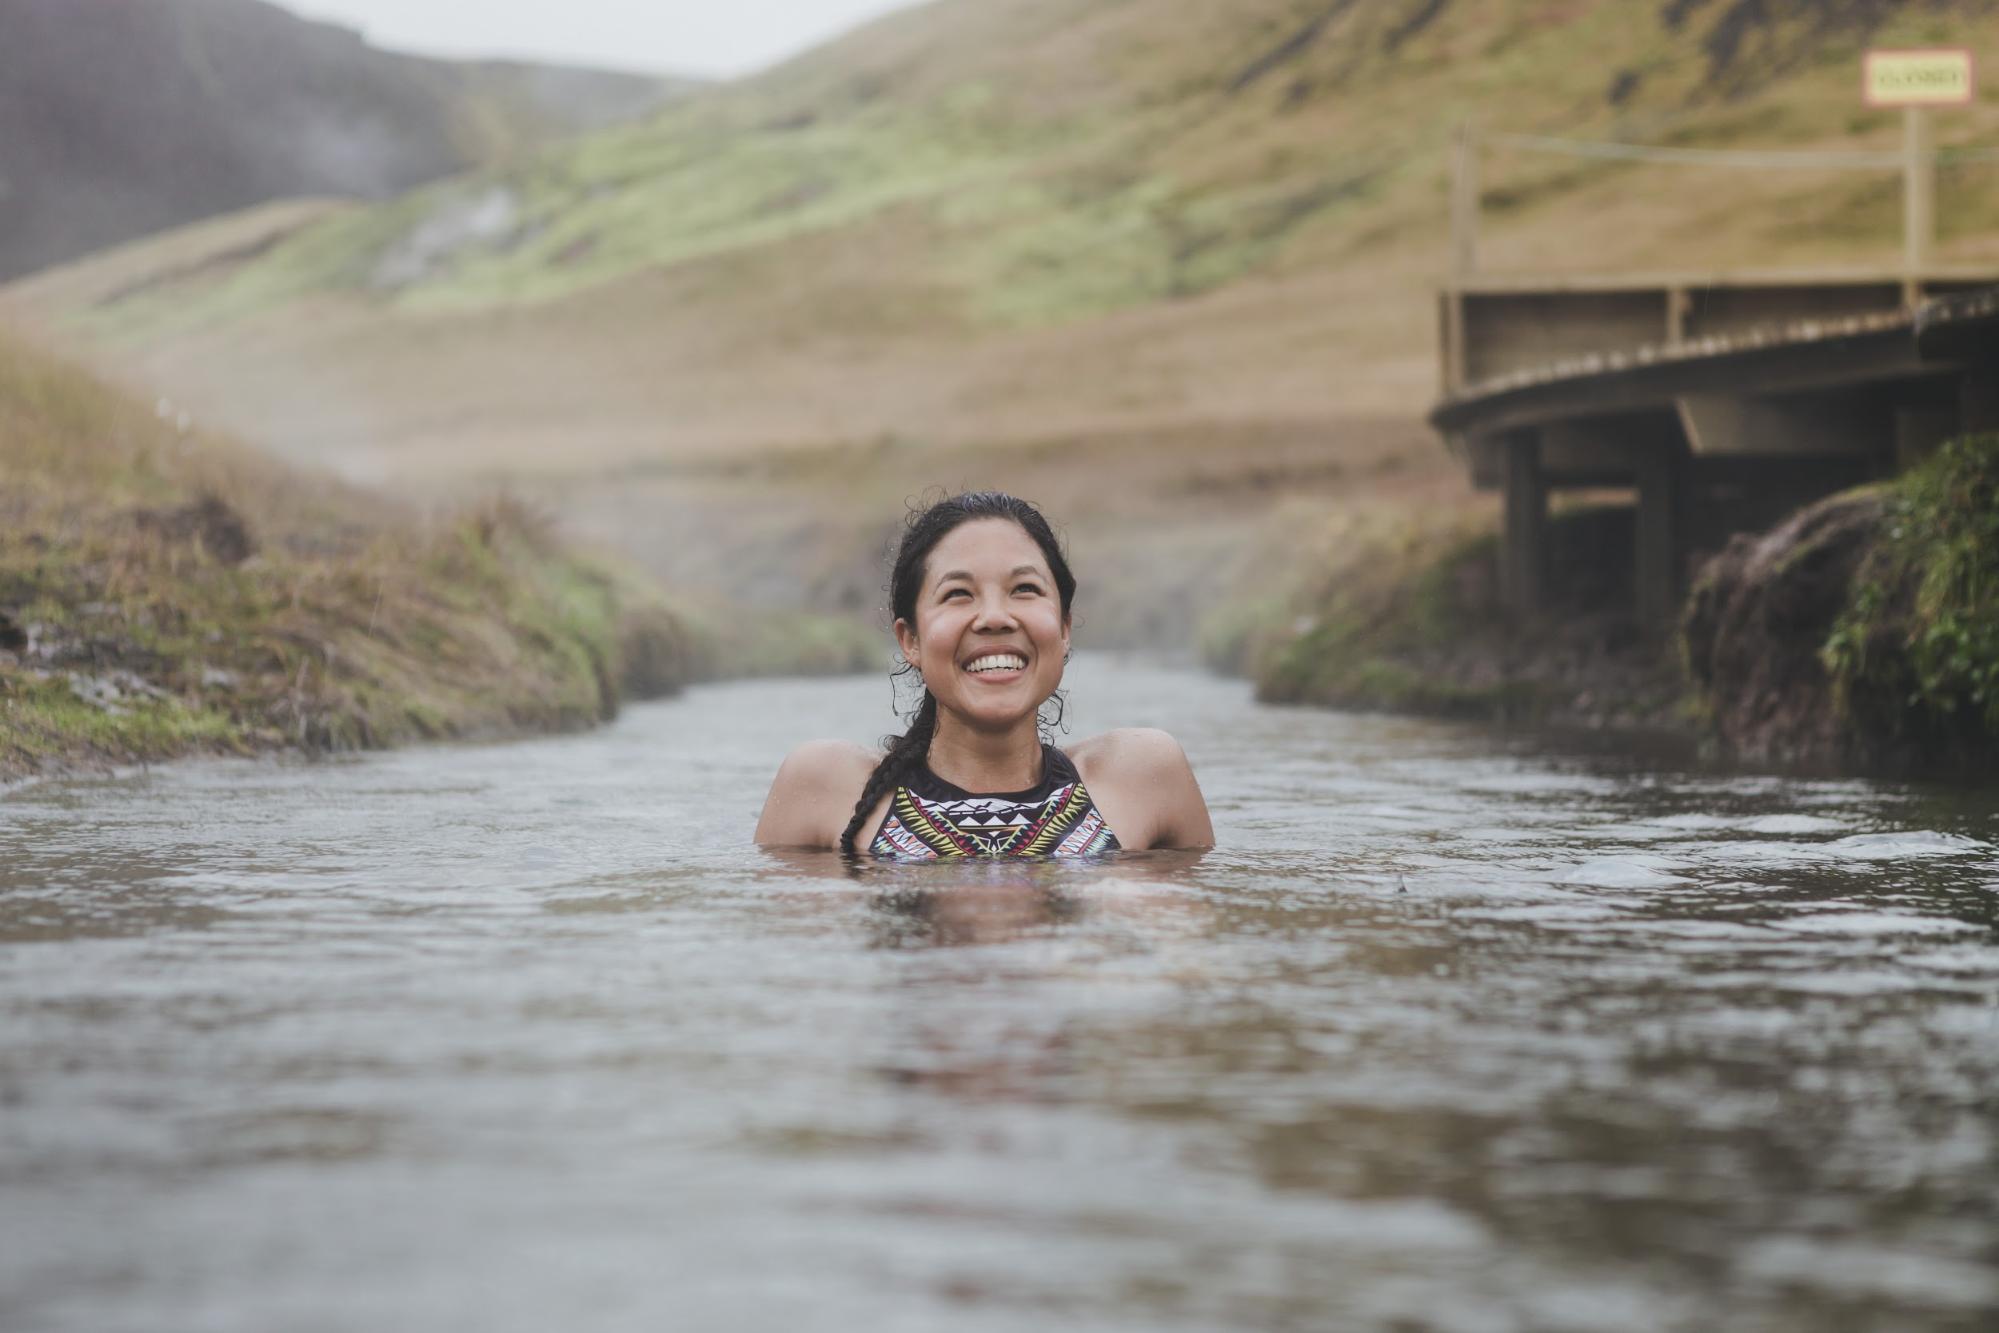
x=1454, y=1031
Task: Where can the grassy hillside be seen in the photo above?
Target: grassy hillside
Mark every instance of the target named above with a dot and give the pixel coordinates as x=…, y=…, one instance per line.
x=1152, y=208
x=127, y=116
x=1067, y=158
x=163, y=591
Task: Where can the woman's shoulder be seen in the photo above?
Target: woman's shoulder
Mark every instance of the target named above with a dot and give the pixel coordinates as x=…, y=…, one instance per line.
x=1144, y=787
x=829, y=764
x=814, y=793
x=1127, y=748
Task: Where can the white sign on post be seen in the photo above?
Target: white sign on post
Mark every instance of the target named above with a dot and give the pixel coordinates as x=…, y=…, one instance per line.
x=1918, y=81
x=1941, y=76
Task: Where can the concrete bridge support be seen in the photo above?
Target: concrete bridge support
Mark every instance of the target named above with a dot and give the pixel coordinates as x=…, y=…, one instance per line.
x=1524, y=542
x=1978, y=399
x=1661, y=478
x=1661, y=485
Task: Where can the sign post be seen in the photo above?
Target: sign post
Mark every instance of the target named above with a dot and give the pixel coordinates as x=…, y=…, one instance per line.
x=1918, y=81
x=1919, y=188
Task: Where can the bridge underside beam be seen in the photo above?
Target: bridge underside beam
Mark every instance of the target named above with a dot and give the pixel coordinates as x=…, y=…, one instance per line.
x=1826, y=425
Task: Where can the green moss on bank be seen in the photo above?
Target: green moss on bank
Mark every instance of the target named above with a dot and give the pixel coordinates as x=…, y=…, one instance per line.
x=1403, y=616
x=1352, y=581
x=1914, y=657
x=163, y=592
x=1383, y=635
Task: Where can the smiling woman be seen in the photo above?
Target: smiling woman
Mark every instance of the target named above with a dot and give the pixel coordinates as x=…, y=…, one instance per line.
x=982, y=597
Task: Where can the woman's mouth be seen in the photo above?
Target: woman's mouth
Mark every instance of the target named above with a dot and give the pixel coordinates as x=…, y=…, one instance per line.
x=997, y=666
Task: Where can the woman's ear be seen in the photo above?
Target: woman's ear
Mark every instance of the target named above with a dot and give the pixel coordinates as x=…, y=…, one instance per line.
x=906, y=643
x=1065, y=636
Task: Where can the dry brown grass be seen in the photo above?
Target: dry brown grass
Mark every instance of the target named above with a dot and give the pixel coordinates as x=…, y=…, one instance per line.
x=163, y=589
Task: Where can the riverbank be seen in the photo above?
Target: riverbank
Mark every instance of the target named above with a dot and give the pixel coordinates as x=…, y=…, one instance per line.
x=1861, y=634
x=165, y=591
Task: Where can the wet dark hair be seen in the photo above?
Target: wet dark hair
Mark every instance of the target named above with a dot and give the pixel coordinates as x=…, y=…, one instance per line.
x=927, y=527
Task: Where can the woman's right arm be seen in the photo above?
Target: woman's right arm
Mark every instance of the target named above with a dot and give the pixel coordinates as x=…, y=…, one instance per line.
x=813, y=795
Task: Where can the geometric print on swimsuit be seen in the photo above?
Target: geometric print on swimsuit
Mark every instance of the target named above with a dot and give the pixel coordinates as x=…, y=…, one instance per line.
x=1088, y=838
x=1064, y=823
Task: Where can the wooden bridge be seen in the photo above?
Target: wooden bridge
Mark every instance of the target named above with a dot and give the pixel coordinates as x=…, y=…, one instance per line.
x=1722, y=400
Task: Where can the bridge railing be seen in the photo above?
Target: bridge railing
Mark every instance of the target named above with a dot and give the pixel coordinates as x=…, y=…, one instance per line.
x=1495, y=327
x=1492, y=325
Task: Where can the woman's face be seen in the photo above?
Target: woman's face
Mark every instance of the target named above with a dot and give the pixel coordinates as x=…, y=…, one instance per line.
x=989, y=636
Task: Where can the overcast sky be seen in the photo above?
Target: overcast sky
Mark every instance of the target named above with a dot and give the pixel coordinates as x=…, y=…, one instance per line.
x=716, y=38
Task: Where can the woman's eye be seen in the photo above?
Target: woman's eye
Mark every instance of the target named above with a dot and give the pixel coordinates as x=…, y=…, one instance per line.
x=949, y=593
x=1028, y=587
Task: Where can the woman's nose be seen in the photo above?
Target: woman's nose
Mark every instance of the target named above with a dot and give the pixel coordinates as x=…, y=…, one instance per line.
x=994, y=613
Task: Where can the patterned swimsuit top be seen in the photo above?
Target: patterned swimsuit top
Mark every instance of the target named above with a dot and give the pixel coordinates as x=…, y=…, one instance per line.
x=930, y=820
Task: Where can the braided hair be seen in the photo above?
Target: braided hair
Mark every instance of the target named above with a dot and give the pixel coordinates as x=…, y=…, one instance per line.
x=927, y=527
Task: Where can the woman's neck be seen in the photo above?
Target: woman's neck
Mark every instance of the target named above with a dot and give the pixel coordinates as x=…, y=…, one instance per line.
x=982, y=761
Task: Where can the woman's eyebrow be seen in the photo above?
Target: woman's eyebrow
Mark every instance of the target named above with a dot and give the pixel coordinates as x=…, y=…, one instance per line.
x=966, y=574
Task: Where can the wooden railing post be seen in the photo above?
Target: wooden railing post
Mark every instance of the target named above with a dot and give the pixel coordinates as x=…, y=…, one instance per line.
x=1464, y=204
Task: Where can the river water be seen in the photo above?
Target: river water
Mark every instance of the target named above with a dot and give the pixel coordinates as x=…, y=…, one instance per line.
x=1455, y=1031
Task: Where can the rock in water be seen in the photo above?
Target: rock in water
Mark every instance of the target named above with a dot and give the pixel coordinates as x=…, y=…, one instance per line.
x=1755, y=623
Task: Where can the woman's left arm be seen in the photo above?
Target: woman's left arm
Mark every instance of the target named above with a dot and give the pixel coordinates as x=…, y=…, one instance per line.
x=1183, y=811
x=1145, y=789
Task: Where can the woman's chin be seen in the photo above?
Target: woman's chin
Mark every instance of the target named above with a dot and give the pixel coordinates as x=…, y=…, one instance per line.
x=990, y=709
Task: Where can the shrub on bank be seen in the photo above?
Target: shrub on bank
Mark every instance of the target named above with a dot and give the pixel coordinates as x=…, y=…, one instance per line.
x=1914, y=657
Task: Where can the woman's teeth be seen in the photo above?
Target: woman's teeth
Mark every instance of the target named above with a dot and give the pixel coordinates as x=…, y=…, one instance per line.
x=998, y=662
